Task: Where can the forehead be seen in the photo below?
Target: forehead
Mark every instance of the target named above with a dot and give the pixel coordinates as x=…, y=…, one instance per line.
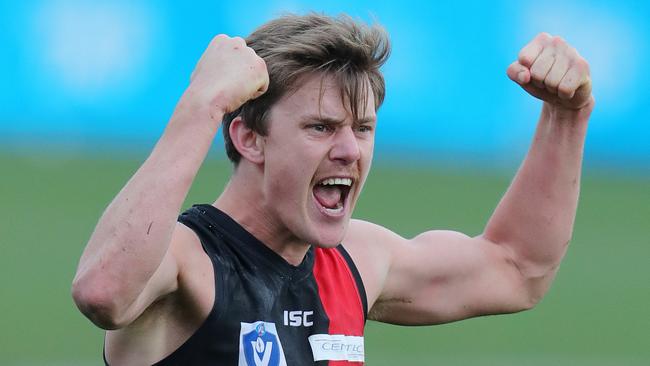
x=318, y=94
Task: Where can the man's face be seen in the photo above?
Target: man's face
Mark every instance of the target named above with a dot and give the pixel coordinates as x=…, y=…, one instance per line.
x=316, y=159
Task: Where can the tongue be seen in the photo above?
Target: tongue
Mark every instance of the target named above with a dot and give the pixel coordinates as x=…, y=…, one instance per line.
x=328, y=196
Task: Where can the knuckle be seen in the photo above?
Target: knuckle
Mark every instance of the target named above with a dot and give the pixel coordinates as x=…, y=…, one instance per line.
x=558, y=41
x=239, y=40
x=251, y=51
x=544, y=37
x=522, y=58
x=260, y=63
x=525, y=58
x=218, y=38
x=571, y=53
x=582, y=64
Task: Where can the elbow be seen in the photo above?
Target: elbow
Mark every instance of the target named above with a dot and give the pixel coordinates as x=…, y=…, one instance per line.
x=522, y=301
x=530, y=302
x=533, y=282
x=535, y=290
x=98, y=304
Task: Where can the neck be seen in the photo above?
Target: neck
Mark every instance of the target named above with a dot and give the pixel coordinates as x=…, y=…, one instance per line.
x=243, y=200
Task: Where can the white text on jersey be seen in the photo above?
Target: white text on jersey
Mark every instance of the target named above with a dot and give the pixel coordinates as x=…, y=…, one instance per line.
x=298, y=318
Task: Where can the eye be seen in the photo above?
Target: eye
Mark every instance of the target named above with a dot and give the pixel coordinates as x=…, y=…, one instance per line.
x=365, y=128
x=321, y=128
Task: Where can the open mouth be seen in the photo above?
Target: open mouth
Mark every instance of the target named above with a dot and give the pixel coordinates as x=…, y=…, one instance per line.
x=331, y=194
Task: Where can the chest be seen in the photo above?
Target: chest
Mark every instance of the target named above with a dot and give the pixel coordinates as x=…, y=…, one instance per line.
x=310, y=318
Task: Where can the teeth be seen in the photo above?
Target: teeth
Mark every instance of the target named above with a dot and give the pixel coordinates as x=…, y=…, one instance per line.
x=333, y=181
x=334, y=210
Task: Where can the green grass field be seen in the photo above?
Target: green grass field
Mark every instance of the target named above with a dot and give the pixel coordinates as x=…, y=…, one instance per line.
x=595, y=314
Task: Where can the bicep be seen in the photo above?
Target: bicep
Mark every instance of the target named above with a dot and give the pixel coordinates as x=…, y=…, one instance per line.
x=443, y=276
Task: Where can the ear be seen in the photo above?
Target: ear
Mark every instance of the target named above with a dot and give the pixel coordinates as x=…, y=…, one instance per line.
x=248, y=143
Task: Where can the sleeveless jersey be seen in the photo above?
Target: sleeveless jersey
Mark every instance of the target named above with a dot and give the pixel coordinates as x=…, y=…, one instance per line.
x=268, y=312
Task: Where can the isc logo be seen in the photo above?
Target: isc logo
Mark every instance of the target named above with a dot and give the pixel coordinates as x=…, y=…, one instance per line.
x=298, y=318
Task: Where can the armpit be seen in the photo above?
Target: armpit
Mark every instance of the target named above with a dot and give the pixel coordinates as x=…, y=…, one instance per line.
x=382, y=308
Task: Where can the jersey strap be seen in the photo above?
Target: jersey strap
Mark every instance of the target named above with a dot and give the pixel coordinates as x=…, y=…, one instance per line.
x=344, y=300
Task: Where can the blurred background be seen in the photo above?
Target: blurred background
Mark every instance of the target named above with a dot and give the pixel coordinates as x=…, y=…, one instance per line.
x=87, y=88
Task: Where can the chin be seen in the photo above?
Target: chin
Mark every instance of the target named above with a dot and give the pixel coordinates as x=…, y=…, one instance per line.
x=329, y=238
x=327, y=245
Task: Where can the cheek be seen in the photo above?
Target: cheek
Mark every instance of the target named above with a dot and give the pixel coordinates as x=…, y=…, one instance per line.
x=290, y=166
x=367, y=151
x=287, y=177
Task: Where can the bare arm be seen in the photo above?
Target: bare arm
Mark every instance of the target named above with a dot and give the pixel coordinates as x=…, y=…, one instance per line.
x=442, y=276
x=535, y=217
x=127, y=263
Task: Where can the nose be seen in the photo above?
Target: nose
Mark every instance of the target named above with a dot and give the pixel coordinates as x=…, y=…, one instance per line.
x=346, y=146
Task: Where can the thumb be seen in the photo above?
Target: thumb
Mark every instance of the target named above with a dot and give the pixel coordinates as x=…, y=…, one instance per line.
x=518, y=73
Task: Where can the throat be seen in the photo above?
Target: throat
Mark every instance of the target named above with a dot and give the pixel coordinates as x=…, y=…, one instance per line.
x=270, y=232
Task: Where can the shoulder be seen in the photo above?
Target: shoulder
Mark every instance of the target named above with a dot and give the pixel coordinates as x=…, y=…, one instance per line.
x=371, y=248
x=375, y=241
x=361, y=232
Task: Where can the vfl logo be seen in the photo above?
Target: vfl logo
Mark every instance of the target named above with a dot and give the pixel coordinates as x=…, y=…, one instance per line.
x=259, y=345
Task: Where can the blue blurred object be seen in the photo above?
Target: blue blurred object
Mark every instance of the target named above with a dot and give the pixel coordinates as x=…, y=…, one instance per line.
x=83, y=73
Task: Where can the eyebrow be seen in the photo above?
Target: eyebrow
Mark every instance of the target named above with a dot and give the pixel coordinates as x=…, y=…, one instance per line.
x=335, y=121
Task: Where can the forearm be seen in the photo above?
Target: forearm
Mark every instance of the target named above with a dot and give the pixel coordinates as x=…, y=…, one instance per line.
x=133, y=235
x=536, y=215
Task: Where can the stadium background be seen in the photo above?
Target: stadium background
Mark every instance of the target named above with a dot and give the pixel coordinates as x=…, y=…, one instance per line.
x=87, y=87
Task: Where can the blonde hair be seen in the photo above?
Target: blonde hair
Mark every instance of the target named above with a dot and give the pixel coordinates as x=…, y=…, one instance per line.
x=294, y=46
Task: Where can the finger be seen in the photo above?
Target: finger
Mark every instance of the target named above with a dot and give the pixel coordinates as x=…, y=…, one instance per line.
x=238, y=43
x=518, y=73
x=570, y=82
x=532, y=50
x=542, y=66
x=563, y=56
x=539, y=93
x=264, y=77
x=557, y=72
x=265, y=83
x=263, y=88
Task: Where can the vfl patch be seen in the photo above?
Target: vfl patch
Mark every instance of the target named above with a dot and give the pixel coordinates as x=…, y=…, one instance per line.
x=337, y=347
x=259, y=345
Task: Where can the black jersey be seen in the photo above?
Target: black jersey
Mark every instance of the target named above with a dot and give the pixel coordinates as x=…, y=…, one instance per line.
x=268, y=312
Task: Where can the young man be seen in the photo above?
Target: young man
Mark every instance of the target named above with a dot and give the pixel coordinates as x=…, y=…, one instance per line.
x=276, y=272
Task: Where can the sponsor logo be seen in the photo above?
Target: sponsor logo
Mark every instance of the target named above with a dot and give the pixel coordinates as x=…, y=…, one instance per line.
x=337, y=347
x=298, y=318
x=259, y=345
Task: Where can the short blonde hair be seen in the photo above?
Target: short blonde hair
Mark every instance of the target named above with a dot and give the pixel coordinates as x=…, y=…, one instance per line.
x=294, y=46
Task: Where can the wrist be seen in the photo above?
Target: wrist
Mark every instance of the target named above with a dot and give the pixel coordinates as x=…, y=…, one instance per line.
x=201, y=106
x=561, y=114
x=194, y=113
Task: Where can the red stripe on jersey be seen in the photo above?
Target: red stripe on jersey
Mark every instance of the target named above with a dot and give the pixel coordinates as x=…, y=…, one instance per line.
x=339, y=295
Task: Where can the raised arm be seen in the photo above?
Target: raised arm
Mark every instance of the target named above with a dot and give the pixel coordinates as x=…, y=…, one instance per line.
x=535, y=217
x=127, y=263
x=442, y=276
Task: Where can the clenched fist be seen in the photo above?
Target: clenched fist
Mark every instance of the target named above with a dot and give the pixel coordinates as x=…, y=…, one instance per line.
x=553, y=71
x=228, y=74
